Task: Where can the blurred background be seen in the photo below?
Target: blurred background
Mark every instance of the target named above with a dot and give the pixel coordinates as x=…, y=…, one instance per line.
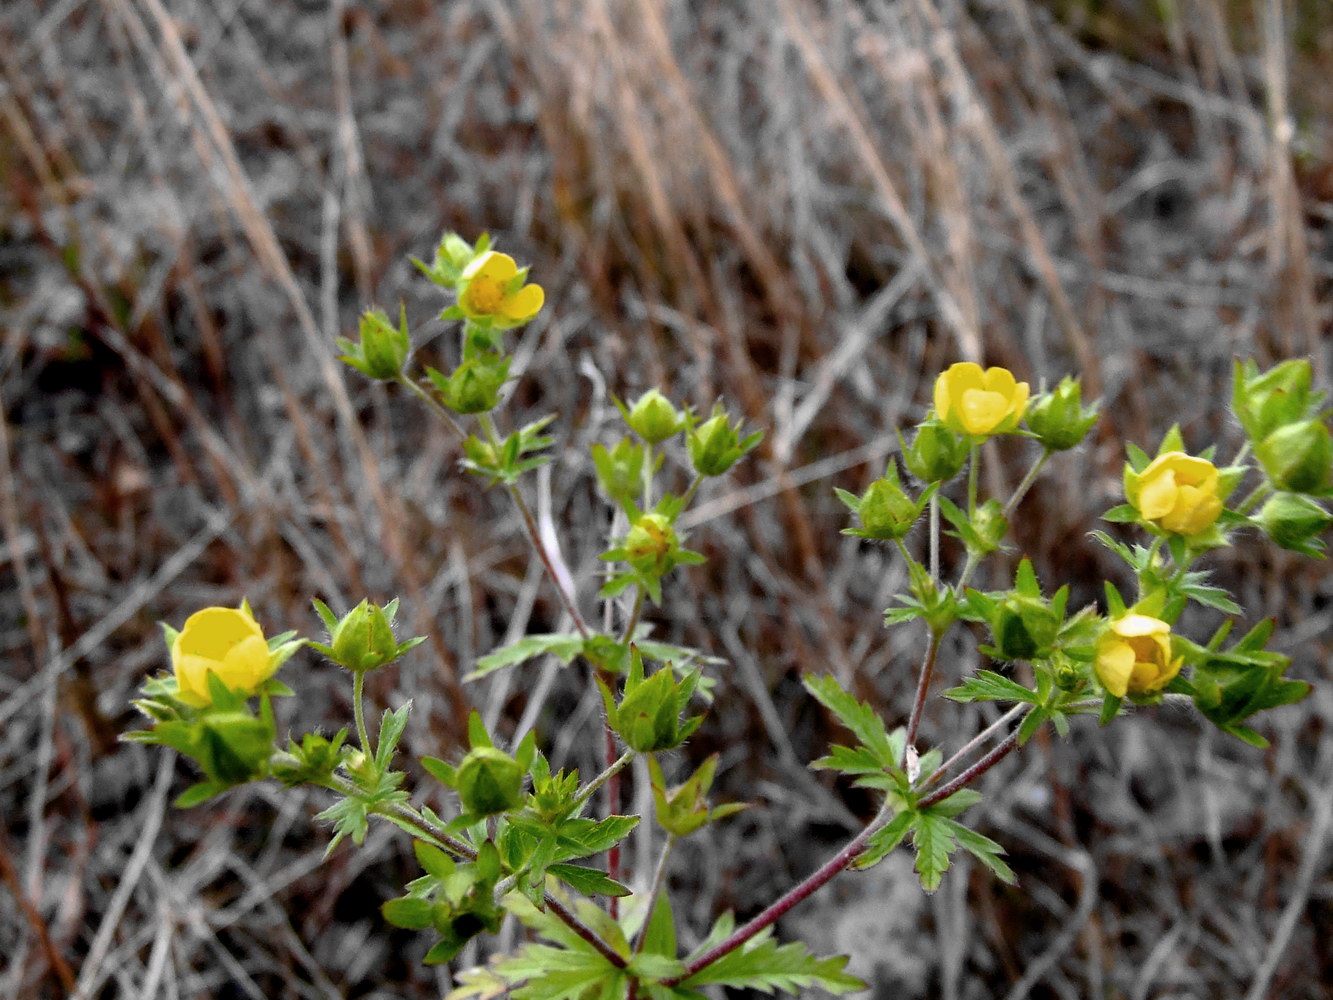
x=805, y=208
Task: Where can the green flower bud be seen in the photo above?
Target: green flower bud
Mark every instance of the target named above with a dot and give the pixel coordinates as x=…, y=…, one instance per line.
x=716, y=445
x=651, y=543
x=1298, y=457
x=381, y=351
x=489, y=781
x=1278, y=397
x=936, y=454
x=1067, y=674
x=474, y=386
x=1022, y=628
x=682, y=810
x=363, y=638
x=653, y=418
x=1059, y=419
x=885, y=510
x=234, y=747
x=1294, y=522
x=648, y=716
x=989, y=526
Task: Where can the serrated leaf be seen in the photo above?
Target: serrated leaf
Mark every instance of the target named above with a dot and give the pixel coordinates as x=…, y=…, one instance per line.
x=761, y=964
x=984, y=850
x=987, y=685
x=588, y=881
x=860, y=718
x=959, y=801
x=883, y=841
x=563, y=646
x=934, y=843
x=391, y=731
x=659, y=937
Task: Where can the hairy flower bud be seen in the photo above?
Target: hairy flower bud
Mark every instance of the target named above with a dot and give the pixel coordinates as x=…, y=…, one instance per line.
x=489, y=781
x=653, y=418
x=1295, y=522
x=936, y=454
x=1298, y=457
x=1059, y=419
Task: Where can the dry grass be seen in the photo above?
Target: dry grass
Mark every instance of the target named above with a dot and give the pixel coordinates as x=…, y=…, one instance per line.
x=808, y=208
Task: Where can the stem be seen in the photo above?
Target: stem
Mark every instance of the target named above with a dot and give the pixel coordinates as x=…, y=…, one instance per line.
x=647, y=476
x=1259, y=492
x=935, y=536
x=434, y=405
x=973, y=465
x=816, y=880
x=688, y=497
x=922, y=689
x=409, y=816
x=993, y=757
x=612, y=779
x=633, y=622
x=1026, y=484
x=981, y=737
x=616, y=767
x=358, y=694
x=659, y=877
x=1243, y=454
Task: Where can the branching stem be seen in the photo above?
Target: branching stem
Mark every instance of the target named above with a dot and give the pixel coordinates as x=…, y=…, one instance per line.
x=922, y=688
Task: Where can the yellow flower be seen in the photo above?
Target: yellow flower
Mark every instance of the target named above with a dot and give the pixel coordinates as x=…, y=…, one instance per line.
x=224, y=641
x=971, y=401
x=1134, y=656
x=1176, y=492
x=489, y=291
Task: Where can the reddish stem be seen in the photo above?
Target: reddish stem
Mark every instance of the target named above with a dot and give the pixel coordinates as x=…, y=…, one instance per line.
x=993, y=757
x=922, y=689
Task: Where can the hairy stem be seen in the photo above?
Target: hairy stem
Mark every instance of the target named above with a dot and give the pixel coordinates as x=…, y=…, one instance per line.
x=358, y=709
x=980, y=738
x=616, y=767
x=996, y=754
x=816, y=880
x=434, y=405
x=1021, y=490
x=922, y=688
x=659, y=877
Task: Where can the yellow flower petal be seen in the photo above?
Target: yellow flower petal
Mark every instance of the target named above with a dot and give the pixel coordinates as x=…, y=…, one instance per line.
x=1157, y=495
x=981, y=411
x=246, y=665
x=524, y=304
x=1115, y=664
x=999, y=380
x=1136, y=625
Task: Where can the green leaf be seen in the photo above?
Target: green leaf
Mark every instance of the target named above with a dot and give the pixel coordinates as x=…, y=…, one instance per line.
x=588, y=881
x=659, y=937
x=197, y=794
x=762, y=964
x=963, y=799
x=984, y=850
x=411, y=912
x=433, y=860
x=391, y=731
x=934, y=843
x=563, y=646
x=882, y=842
x=987, y=685
x=860, y=718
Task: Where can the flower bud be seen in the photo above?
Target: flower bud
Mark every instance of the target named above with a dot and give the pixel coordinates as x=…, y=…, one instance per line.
x=234, y=747
x=382, y=349
x=936, y=454
x=716, y=445
x=1294, y=522
x=648, y=716
x=684, y=809
x=979, y=403
x=489, y=781
x=653, y=418
x=474, y=386
x=884, y=510
x=1265, y=402
x=1022, y=628
x=363, y=638
x=651, y=542
x=989, y=526
x=1134, y=656
x=1059, y=419
x=1298, y=457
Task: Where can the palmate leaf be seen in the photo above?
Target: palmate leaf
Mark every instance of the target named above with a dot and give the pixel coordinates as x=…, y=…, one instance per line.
x=764, y=965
